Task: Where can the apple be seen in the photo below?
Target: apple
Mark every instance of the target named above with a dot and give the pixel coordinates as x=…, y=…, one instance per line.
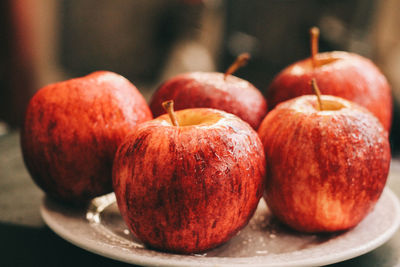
x=188, y=184
x=213, y=90
x=72, y=130
x=326, y=166
x=338, y=73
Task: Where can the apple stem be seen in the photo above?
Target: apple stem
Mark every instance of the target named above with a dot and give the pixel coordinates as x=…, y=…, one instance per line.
x=314, y=32
x=169, y=108
x=240, y=61
x=317, y=92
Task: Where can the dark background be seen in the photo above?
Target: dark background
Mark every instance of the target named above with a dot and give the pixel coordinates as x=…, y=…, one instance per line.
x=148, y=41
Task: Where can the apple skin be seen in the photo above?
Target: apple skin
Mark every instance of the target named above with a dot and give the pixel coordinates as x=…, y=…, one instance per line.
x=188, y=189
x=326, y=169
x=72, y=130
x=211, y=90
x=342, y=74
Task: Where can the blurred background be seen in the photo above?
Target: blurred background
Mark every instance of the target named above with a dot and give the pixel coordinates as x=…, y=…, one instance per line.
x=148, y=41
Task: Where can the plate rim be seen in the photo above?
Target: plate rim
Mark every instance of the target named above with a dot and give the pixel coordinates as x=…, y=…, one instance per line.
x=144, y=260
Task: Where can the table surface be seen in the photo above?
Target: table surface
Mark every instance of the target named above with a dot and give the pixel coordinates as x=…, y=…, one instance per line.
x=27, y=241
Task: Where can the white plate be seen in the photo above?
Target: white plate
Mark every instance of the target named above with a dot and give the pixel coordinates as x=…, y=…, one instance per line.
x=264, y=242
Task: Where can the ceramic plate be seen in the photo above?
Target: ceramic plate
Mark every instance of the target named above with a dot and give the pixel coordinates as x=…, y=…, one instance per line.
x=263, y=242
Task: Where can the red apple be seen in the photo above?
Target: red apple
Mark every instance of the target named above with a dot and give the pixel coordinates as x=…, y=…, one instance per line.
x=189, y=188
x=342, y=74
x=326, y=168
x=213, y=90
x=72, y=130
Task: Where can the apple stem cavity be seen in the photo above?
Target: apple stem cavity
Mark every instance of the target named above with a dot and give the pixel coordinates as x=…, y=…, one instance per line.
x=317, y=92
x=169, y=108
x=314, y=34
x=240, y=61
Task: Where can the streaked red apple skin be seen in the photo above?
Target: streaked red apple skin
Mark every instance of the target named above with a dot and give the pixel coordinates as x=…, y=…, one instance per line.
x=211, y=90
x=325, y=169
x=72, y=130
x=192, y=188
x=352, y=77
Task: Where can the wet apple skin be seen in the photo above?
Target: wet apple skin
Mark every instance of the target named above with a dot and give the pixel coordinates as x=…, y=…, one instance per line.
x=189, y=189
x=212, y=90
x=350, y=76
x=325, y=169
x=72, y=130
